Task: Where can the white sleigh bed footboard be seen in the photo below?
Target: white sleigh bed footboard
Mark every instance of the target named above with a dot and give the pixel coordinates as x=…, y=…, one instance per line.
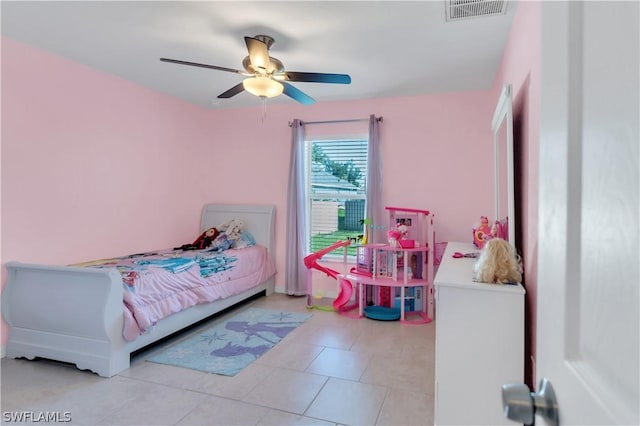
x=67, y=314
x=75, y=314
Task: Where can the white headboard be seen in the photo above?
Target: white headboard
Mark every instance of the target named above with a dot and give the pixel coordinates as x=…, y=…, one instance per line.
x=259, y=220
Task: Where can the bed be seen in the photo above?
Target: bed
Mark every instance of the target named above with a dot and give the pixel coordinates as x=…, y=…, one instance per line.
x=75, y=314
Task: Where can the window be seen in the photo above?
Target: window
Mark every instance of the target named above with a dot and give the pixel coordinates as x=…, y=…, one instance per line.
x=336, y=187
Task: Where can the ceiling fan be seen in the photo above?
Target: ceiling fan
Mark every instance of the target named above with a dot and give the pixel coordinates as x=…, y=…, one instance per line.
x=266, y=76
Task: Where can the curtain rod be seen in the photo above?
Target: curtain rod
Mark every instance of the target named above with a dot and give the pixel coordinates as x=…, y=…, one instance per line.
x=379, y=119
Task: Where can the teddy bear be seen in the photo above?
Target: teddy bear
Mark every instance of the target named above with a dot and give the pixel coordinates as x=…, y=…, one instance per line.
x=232, y=228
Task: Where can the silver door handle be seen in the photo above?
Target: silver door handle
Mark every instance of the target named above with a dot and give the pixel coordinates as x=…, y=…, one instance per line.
x=521, y=405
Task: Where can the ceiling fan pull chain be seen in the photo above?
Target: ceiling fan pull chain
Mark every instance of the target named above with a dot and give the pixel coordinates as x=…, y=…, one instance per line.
x=263, y=99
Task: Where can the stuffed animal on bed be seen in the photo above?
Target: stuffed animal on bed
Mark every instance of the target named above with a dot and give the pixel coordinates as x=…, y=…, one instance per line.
x=232, y=228
x=202, y=242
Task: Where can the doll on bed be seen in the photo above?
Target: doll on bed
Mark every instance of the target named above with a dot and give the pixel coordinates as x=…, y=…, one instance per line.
x=498, y=263
x=202, y=242
x=230, y=234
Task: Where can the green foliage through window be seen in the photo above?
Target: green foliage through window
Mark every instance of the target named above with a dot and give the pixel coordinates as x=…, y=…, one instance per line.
x=337, y=171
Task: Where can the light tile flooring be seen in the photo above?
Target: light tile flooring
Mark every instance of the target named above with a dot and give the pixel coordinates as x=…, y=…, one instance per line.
x=332, y=370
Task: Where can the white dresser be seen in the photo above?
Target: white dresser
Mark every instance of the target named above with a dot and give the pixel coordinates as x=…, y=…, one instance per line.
x=479, y=342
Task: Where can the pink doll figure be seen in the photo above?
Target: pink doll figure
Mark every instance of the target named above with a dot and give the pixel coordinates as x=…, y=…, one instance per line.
x=482, y=232
x=393, y=236
x=403, y=230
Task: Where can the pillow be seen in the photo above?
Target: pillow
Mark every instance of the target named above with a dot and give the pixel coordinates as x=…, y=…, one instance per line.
x=245, y=239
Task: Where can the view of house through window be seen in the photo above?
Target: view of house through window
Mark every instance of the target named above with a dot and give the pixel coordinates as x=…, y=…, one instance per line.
x=336, y=172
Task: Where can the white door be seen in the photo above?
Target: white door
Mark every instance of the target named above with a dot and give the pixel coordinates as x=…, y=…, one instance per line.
x=588, y=257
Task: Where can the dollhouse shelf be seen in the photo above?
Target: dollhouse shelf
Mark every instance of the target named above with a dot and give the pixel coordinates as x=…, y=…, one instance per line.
x=398, y=275
x=399, y=279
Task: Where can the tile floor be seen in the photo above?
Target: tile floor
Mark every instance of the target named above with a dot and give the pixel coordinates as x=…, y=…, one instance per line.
x=332, y=370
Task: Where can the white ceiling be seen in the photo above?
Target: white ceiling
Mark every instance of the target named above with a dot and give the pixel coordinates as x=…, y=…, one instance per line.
x=389, y=48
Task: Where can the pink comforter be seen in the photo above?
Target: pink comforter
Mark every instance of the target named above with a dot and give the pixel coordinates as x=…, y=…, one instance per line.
x=162, y=283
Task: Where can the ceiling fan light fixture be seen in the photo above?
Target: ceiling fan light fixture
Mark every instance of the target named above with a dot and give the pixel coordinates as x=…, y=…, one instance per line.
x=263, y=87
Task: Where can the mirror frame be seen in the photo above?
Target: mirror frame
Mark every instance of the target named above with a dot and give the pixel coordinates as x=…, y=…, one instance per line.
x=504, y=115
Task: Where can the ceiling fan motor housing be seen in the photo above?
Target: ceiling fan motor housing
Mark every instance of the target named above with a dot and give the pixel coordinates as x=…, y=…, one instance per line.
x=266, y=40
x=276, y=65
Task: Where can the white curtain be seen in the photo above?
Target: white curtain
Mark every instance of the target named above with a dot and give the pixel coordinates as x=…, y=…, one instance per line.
x=374, y=208
x=297, y=276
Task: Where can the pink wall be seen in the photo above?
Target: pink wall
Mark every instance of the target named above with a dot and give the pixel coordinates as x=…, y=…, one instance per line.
x=94, y=166
x=520, y=67
x=433, y=150
x=432, y=147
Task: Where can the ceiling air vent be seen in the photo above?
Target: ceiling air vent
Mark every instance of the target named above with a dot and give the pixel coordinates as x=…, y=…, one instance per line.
x=465, y=9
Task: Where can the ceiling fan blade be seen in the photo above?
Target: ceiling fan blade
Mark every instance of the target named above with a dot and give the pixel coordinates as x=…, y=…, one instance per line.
x=315, y=77
x=259, y=54
x=232, y=92
x=297, y=94
x=194, y=64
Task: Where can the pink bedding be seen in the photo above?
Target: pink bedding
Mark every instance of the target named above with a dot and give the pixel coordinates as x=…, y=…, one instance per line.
x=161, y=283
